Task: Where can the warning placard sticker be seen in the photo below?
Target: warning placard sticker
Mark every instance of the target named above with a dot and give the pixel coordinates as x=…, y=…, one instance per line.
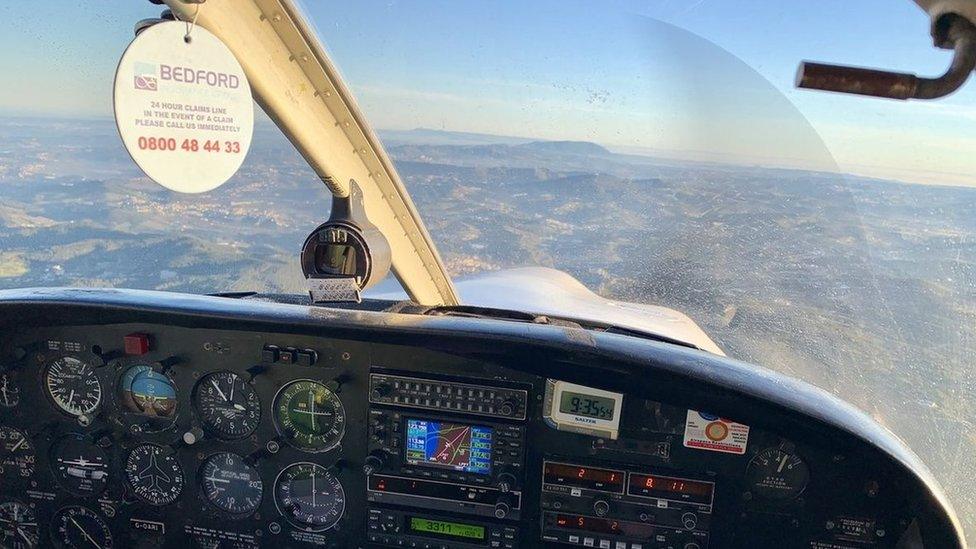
x=707, y=432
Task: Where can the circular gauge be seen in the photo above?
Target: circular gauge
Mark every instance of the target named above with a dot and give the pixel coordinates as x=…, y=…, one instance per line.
x=227, y=405
x=77, y=527
x=17, y=457
x=73, y=386
x=230, y=484
x=777, y=474
x=80, y=466
x=9, y=392
x=309, y=496
x=309, y=415
x=145, y=392
x=155, y=476
x=18, y=526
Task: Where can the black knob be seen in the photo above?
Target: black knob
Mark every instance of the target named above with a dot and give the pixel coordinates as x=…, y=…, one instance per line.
x=194, y=435
x=507, y=408
x=381, y=390
x=373, y=463
x=502, y=509
x=335, y=384
x=504, y=506
x=507, y=482
x=689, y=520
x=601, y=508
x=692, y=545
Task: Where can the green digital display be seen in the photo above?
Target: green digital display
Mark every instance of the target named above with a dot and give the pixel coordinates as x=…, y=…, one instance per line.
x=445, y=528
x=586, y=405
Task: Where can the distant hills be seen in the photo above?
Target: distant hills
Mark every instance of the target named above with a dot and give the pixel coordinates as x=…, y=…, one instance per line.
x=440, y=138
x=426, y=136
x=565, y=147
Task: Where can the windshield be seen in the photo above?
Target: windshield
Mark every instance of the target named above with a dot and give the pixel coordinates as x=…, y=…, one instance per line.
x=656, y=151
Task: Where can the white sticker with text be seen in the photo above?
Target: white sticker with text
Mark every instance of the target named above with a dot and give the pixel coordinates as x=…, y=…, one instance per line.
x=183, y=107
x=707, y=432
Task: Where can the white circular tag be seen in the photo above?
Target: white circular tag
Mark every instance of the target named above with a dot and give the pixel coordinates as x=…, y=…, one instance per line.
x=183, y=109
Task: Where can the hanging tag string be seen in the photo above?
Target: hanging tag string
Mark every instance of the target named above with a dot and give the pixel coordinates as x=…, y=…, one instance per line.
x=190, y=24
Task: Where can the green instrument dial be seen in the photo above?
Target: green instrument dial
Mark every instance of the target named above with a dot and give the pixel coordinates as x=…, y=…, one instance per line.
x=309, y=416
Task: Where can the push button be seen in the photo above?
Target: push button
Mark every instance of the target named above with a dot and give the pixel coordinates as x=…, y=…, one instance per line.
x=306, y=357
x=286, y=356
x=269, y=354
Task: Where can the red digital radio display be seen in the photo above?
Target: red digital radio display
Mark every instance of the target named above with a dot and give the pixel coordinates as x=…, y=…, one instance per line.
x=673, y=488
x=590, y=478
x=598, y=525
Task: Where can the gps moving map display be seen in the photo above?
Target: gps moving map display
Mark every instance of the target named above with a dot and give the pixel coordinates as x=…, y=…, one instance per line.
x=450, y=445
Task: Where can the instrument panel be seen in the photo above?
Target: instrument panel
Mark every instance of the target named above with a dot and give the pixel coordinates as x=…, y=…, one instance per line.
x=166, y=435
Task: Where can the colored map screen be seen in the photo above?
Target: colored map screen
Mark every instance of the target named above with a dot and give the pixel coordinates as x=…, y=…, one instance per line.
x=449, y=445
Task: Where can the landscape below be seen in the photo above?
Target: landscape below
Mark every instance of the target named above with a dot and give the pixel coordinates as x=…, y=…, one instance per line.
x=864, y=287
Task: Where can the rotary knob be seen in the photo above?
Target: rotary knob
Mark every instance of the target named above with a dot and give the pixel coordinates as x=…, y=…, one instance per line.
x=506, y=482
x=194, y=435
x=601, y=508
x=504, y=506
x=502, y=509
x=380, y=390
x=689, y=520
x=507, y=408
x=373, y=463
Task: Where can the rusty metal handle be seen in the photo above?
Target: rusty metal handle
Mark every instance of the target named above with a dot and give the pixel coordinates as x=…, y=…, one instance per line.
x=896, y=85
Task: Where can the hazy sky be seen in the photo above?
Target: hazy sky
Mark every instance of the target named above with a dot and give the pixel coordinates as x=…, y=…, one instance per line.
x=708, y=79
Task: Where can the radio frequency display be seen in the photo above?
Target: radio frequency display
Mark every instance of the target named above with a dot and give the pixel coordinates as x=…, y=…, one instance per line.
x=450, y=445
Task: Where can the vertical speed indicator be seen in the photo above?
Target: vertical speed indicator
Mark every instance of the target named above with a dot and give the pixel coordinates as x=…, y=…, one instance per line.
x=231, y=484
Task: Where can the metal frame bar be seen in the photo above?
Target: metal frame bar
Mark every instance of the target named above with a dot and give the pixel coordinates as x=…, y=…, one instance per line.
x=298, y=86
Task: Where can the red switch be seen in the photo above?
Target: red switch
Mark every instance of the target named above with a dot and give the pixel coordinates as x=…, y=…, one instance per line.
x=136, y=344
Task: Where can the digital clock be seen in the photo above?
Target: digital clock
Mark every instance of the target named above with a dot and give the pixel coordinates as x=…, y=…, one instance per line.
x=586, y=405
x=581, y=409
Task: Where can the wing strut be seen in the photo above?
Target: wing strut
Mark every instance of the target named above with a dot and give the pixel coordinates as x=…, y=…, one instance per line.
x=296, y=83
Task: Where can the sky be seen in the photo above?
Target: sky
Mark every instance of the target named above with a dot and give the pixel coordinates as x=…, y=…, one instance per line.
x=698, y=79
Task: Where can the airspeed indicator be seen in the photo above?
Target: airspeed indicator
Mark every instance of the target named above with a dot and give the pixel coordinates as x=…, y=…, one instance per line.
x=73, y=386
